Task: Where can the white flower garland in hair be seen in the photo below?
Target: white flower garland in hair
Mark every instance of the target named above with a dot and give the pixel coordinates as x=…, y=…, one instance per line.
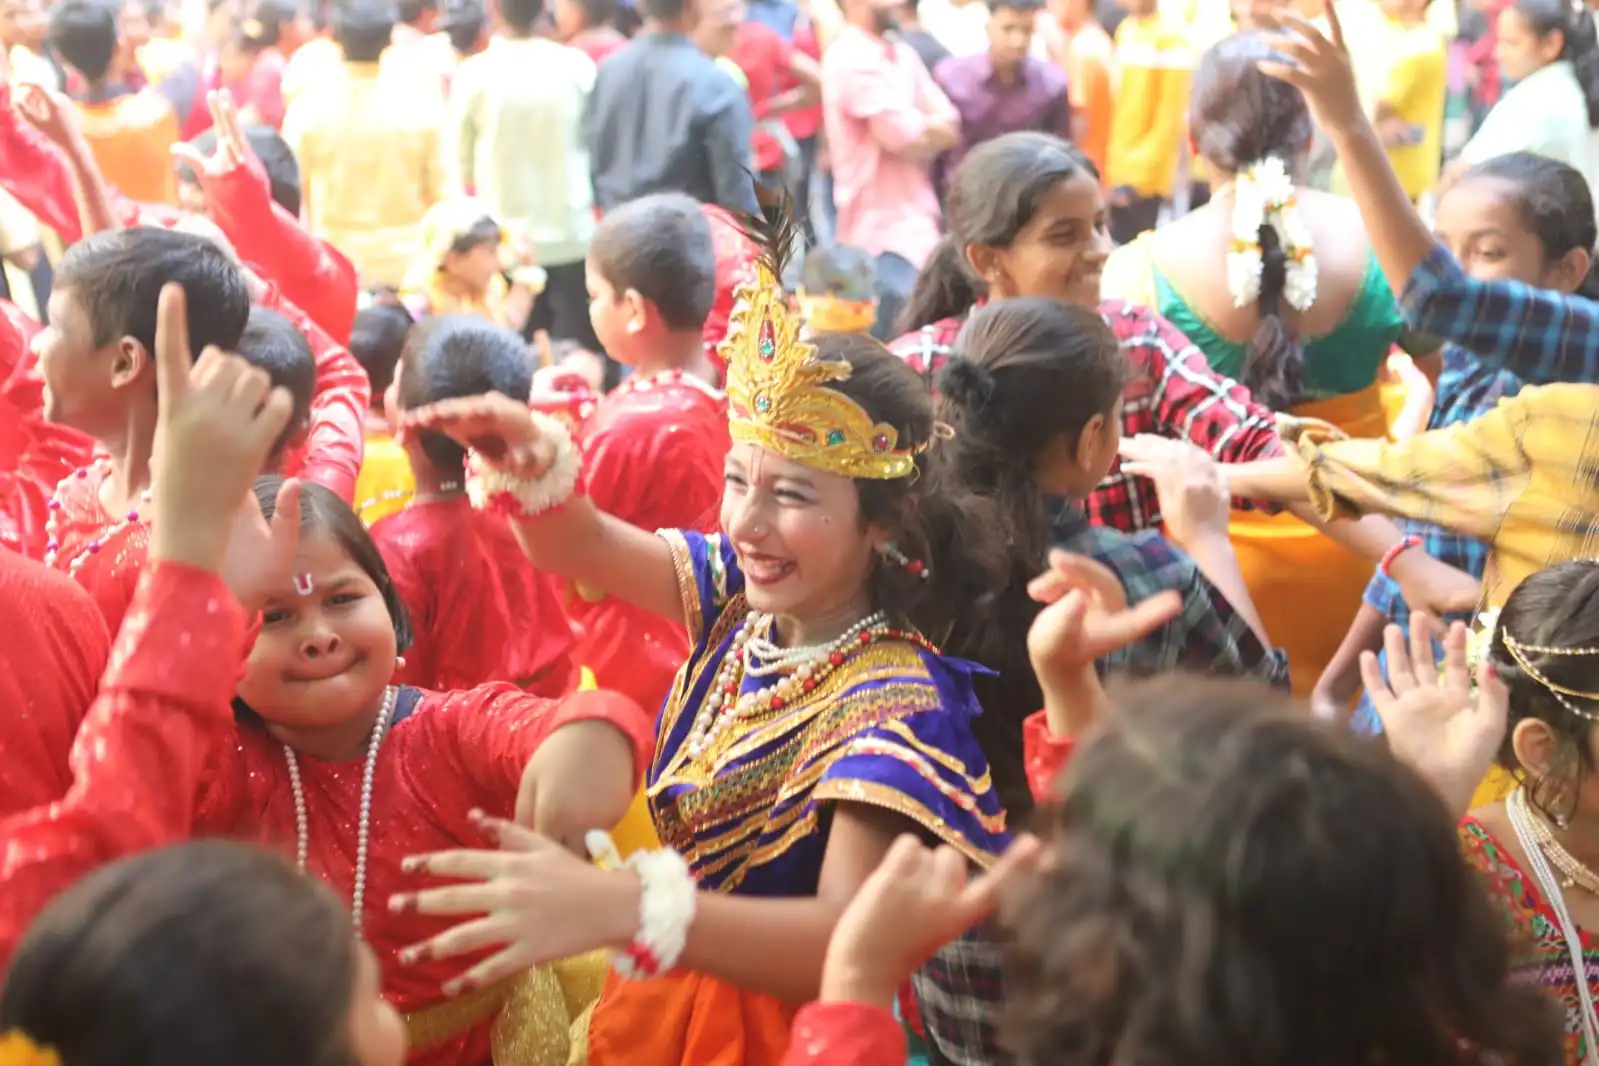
x=1263, y=194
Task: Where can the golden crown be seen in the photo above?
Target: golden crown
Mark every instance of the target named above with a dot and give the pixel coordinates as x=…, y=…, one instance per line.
x=778, y=399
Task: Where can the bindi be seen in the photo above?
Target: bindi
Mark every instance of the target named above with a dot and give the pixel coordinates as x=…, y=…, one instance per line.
x=304, y=584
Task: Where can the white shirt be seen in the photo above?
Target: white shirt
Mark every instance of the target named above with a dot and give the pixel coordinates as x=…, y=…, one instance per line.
x=1545, y=113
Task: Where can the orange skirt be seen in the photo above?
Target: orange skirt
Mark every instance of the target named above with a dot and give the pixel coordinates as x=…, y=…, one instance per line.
x=1306, y=587
x=686, y=1019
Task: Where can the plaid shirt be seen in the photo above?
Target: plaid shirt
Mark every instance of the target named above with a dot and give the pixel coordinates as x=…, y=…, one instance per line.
x=1173, y=393
x=1540, y=336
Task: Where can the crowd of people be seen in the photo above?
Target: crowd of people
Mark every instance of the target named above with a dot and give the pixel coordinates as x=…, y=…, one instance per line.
x=694, y=533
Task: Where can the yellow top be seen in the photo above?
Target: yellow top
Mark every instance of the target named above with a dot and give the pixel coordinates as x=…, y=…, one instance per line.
x=372, y=161
x=1146, y=129
x=1521, y=476
x=1403, y=71
x=385, y=485
x=312, y=64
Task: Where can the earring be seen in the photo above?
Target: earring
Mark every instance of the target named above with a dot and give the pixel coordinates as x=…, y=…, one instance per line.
x=914, y=567
x=399, y=663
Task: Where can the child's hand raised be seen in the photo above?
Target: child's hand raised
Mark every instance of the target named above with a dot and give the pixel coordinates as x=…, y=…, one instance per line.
x=232, y=150
x=1188, y=482
x=917, y=900
x=219, y=418
x=1315, y=63
x=501, y=430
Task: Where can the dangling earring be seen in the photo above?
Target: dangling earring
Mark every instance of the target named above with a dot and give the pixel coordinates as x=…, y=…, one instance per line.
x=914, y=567
x=399, y=663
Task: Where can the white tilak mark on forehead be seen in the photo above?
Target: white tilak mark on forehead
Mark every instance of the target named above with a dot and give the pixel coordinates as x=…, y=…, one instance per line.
x=304, y=584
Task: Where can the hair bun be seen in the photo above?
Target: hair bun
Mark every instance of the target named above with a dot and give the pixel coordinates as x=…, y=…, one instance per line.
x=968, y=383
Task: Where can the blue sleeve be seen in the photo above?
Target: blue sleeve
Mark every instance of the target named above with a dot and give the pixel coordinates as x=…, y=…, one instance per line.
x=707, y=576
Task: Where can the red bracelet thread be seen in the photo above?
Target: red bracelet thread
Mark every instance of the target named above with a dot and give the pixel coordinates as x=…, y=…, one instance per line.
x=1388, y=557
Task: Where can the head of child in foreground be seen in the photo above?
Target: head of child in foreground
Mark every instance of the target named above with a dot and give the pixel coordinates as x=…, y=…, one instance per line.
x=1525, y=217
x=451, y=358
x=1543, y=650
x=331, y=632
x=97, y=354
x=197, y=954
x=651, y=275
x=1228, y=880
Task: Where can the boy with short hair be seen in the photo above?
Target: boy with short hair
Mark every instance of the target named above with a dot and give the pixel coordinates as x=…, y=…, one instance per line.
x=96, y=359
x=653, y=448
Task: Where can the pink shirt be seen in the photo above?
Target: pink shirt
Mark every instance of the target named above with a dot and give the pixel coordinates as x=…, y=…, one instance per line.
x=877, y=100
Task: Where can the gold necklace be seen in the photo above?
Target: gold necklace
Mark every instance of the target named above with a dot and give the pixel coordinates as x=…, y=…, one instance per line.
x=1574, y=874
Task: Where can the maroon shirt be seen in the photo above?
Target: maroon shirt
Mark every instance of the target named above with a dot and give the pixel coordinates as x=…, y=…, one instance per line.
x=1036, y=100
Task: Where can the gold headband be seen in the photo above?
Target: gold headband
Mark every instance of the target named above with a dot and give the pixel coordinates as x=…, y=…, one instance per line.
x=778, y=397
x=833, y=314
x=1520, y=653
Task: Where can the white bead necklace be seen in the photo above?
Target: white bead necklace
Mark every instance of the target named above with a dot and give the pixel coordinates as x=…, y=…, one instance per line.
x=809, y=664
x=302, y=824
x=54, y=527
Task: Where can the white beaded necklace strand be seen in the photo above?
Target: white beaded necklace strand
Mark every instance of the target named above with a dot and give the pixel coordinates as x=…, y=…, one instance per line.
x=302, y=824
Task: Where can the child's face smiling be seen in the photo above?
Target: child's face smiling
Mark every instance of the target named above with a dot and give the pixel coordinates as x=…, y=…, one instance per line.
x=81, y=382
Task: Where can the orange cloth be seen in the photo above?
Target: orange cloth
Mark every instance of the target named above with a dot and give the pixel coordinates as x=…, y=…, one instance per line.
x=1289, y=565
x=683, y=1018
x=1090, y=57
x=132, y=138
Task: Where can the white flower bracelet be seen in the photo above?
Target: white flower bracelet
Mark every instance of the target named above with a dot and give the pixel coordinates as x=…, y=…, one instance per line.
x=666, y=908
x=494, y=490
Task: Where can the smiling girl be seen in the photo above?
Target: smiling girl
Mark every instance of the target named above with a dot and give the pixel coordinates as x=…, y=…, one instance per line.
x=814, y=720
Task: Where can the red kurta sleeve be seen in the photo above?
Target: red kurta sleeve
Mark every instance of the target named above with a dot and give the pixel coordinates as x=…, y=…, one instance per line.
x=1046, y=754
x=337, y=439
x=845, y=1034
x=489, y=733
x=33, y=170
x=311, y=274
x=34, y=454
x=141, y=754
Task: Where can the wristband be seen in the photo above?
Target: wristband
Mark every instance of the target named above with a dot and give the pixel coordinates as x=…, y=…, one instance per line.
x=1405, y=544
x=520, y=498
x=666, y=909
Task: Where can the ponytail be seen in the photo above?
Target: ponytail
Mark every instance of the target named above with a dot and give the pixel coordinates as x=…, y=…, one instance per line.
x=1582, y=49
x=1274, y=365
x=944, y=289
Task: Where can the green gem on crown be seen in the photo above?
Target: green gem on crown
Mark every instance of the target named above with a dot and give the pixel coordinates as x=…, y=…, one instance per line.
x=835, y=436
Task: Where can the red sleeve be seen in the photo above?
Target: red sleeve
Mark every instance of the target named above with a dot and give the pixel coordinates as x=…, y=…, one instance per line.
x=34, y=171
x=266, y=89
x=1046, y=754
x=34, y=454
x=490, y=732
x=311, y=274
x=845, y=1034
x=337, y=438
x=141, y=754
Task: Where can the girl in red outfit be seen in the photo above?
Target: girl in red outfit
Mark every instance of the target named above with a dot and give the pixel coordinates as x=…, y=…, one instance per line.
x=1234, y=861
x=478, y=612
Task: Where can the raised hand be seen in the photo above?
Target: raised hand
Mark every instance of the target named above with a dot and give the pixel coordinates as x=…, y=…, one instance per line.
x=501, y=430
x=532, y=899
x=918, y=899
x=1188, y=481
x=1315, y=63
x=219, y=419
x=1087, y=615
x=1437, y=724
x=232, y=151
x=50, y=114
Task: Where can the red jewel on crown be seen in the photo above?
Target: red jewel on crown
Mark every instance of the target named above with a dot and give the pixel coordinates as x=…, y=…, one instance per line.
x=880, y=442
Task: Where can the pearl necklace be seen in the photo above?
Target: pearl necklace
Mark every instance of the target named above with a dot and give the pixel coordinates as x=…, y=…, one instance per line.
x=809, y=665
x=390, y=495
x=302, y=824
x=54, y=527
x=661, y=379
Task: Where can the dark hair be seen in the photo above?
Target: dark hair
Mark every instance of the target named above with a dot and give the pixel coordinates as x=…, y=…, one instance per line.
x=191, y=955
x=272, y=14
x=597, y=13
x=1558, y=607
x=661, y=247
x=840, y=270
x=116, y=277
x=486, y=230
x=322, y=511
x=377, y=338
x=84, y=34
x=463, y=22
x=1576, y=28
x=933, y=518
x=1232, y=881
x=996, y=191
x=277, y=158
x=1023, y=7
x=663, y=10
x=521, y=15
x=1239, y=117
x=363, y=28
x=277, y=346
x=1554, y=202
x=410, y=12
x=1025, y=373
x=455, y=356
